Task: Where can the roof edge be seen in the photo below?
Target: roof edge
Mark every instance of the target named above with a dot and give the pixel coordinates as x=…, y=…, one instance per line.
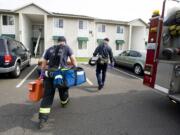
x=72, y=15
x=22, y=7
x=139, y=19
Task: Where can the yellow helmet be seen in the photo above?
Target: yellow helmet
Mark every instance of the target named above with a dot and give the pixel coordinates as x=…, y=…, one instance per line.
x=156, y=12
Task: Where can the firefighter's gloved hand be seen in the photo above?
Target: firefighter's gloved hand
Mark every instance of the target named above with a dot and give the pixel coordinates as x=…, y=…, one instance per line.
x=42, y=75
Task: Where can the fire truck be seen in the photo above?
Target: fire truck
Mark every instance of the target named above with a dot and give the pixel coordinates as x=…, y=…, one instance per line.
x=162, y=66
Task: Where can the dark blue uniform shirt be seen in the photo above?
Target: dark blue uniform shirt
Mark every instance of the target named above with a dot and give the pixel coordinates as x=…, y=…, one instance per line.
x=105, y=51
x=57, y=55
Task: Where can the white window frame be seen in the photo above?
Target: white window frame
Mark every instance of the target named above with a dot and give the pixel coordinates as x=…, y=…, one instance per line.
x=8, y=22
x=56, y=23
x=120, y=29
x=84, y=24
x=100, y=28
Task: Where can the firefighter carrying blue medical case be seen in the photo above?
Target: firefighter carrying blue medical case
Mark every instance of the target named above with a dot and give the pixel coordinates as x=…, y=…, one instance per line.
x=69, y=77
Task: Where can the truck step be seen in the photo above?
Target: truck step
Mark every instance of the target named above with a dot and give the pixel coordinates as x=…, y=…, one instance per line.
x=175, y=97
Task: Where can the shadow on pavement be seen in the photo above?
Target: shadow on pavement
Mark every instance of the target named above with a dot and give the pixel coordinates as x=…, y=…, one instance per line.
x=16, y=115
x=90, y=89
x=24, y=116
x=131, y=113
x=136, y=113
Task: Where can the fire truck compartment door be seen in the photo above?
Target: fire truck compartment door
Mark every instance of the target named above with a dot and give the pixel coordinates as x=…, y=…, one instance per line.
x=164, y=76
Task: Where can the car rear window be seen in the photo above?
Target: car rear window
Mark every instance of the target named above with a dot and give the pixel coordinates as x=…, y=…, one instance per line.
x=2, y=47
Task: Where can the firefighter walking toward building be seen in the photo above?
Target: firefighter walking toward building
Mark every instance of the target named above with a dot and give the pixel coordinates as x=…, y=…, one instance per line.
x=104, y=53
x=56, y=57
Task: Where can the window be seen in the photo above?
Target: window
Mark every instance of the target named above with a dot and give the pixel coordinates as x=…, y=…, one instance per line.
x=135, y=54
x=13, y=47
x=8, y=20
x=22, y=46
x=58, y=23
x=82, y=24
x=82, y=45
x=102, y=28
x=125, y=53
x=118, y=47
x=119, y=29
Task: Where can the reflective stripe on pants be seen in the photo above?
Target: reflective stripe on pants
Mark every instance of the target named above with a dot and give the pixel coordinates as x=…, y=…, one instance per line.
x=65, y=102
x=44, y=110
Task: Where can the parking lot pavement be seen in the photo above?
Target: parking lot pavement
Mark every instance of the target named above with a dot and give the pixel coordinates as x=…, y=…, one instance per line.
x=123, y=107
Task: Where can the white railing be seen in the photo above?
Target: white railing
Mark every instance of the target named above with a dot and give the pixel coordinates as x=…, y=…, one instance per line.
x=35, y=34
x=37, y=44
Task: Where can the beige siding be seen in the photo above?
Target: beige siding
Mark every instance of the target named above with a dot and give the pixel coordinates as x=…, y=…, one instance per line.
x=92, y=39
x=100, y=35
x=126, y=38
x=111, y=33
x=137, y=23
x=138, y=38
x=90, y=44
x=27, y=32
x=71, y=33
x=31, y=10
x=17, y=27
x=49, y=32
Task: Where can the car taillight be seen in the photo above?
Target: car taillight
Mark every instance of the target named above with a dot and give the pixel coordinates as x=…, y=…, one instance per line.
x=7, y=58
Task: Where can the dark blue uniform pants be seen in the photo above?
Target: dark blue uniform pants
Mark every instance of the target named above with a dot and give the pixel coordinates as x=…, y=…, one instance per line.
x=49, y=92
x=101, y=73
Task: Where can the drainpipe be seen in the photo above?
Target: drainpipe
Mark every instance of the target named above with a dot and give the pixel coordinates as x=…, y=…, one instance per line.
x=37, y=44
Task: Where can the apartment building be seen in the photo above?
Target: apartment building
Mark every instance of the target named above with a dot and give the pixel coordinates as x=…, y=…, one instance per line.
x=35, y=26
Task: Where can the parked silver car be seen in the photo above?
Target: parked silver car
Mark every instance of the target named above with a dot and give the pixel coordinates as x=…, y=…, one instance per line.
x=131, y=59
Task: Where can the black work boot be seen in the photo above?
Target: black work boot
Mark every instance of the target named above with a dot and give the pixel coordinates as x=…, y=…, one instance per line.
x=42, y=123
x=100, y=87
x=43, y=118
x=64, y=103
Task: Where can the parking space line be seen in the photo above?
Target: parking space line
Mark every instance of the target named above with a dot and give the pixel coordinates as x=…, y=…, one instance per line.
x=27, y=76
x=90, y=83
x=127, y=74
